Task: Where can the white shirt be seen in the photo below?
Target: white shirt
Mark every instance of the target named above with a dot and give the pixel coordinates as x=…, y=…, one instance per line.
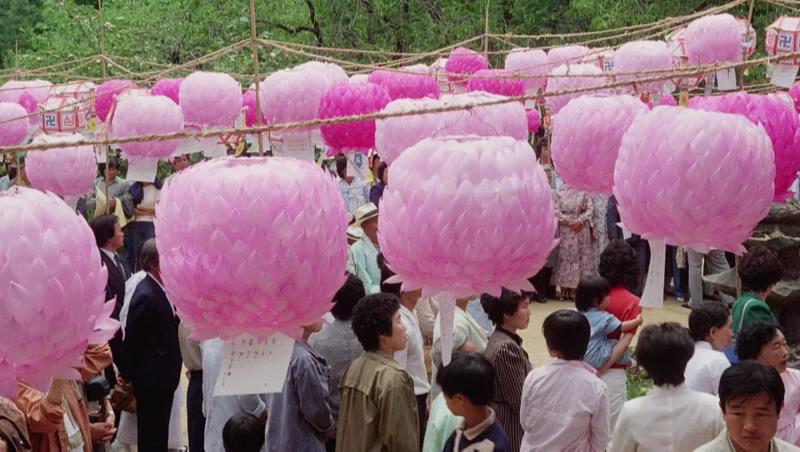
x=668, y=418
x=149, y=198
x=705, y=368
x=412, y=358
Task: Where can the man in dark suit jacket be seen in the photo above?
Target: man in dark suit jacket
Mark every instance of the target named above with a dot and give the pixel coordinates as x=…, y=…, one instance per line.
x=110, y=238
x=152, y=353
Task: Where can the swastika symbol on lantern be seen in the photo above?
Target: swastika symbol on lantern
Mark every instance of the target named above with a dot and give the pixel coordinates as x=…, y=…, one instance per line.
x=50, y=120
x=786, y=42
x=608, y=66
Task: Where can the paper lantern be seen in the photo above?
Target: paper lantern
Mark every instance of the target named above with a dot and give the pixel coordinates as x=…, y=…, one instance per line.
x=472, y=194
x=12, y=90
x=794, y=93
x=586, y=138
x=67, y=171
x=294, y=95
x=497, y=81
x=223, y=276
x=782, y=38
x=713, y=39
x=210, y=99
x=641, y=56
x=678, y=180
x=14, y=124
x=534, y=119
x=394, y=135
x=748, y=35
x=411, y=82
x=53, y=290
x=667, y=99
x=169, y=87
x=348, y=99
x=528, y=62
x=106, y=94
x=463, y=62
x=359, y=78
x=593, y=78
x=565, y=55
x=676, y=43
x=145, y=115
x=249, y=104
x=778, y=119
x=437, y=70
x=602, y=58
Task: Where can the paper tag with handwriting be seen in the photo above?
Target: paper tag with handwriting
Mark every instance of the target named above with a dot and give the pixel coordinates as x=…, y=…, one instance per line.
x=783, y=75
x=252, y=366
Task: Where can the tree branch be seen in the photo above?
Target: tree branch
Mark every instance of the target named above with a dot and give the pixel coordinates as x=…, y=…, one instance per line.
x=286, y=28
x=312, y=17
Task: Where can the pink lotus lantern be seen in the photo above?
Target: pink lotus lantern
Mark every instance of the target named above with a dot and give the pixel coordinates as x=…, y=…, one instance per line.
x=463, y=62
x=67, y=171
x=210, y=99
x=106, y=94
x=394, y=135
x=529, y=62
x=497, y=81
x=678, y=179
x=144, y=115
x=294, y=95
x=778, y=119
x=348, y=99
x=452, y=184
x=249, y=104
x=667, y=99
x=534, y=119
x=169, y=87
x=586, y=138
x=223, y=277
x=12, y=90
x=713, y=39
x=53, y=283
x=359, y=78
x=676, y=43
x=794, y=93
x=14, y=124
x=641, y=56
x=748, y=34
x=782, y=38
x=594, y=77
x=602, y=58
x=411, y=82
x=565, y=55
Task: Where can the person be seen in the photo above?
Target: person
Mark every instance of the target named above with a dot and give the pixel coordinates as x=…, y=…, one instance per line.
x=299, y=417
x=751, y=396
x=620, y=267
x=468, y=384
x=243, y=432
x=598, y=231
x=564, y=406
x=365, y=251
x=509, y=312
x=427, y=310
x=58, y=419
x=381, y=179
x=716, y=262
x=144, y=196
x=411, y=358
x=14, y=436
x=152, y=354
x=765, y=343
x=117, y=190
x=759, y=270
x=179, y=163
x=192, y=356
x=354, y=234
x=591, y=298
x=354, y=190
x=337, y=343
x=574, y=210
x=219, y=409
x=671, y=417
x=378, y=408
x=110, y=239
x=710, y=327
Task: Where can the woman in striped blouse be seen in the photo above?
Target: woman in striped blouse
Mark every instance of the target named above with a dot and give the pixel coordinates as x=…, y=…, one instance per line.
x=509, y=313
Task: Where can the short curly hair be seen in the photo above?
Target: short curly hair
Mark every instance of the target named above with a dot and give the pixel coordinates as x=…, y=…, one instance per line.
x=752, y=338
x=619, y=265
x=506, y=304
x=760, y=269
x=708, y=315
x=372, y=318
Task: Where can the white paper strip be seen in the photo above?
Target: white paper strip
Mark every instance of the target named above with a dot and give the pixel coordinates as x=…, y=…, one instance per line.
x=253, y=366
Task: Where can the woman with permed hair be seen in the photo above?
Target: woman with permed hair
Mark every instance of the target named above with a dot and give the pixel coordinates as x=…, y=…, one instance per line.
x=760, y=270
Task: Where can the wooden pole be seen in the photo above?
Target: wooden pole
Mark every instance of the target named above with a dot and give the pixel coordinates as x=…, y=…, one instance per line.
x=102, y=36
x=486, y=30
x=744, y=51
x=254, y=46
